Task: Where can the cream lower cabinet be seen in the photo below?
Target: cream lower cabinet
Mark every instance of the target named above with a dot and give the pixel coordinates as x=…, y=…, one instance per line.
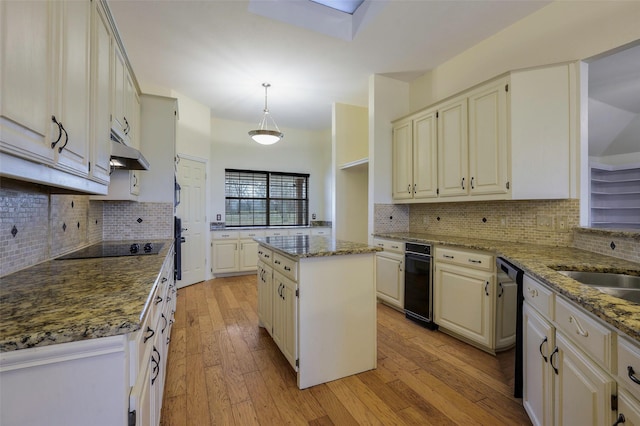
x=285, y=317
x=463, y=303
x=265, y=295
x=568, y=363
x=390, y=273
x=235, y=251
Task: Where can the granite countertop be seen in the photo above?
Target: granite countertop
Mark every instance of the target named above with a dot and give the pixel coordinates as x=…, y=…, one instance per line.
x=543, y=262
x=302, y=246
x=62, y=301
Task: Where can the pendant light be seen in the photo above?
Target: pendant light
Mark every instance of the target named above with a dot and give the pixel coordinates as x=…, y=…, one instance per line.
x=263, y=135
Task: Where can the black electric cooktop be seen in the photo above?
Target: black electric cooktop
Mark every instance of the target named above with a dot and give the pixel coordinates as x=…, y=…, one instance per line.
x=111, y=249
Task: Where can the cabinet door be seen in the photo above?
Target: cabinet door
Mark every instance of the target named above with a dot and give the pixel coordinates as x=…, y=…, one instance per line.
x=452, y=148
x=248, y=255
x=134, y=182
x=265, y=296
x=628, y=408
x=74, y=71
x=390, y=279
x=538, y=343
x=463, y=302
x=101, y=91
x=582, y=389
x=26, y=79
x=402, y=162
x=425, y=155
x=488, y=139
x=506, y=307
x=140, y=396
x=285, y=317
x=225, y=256
x=118, y=88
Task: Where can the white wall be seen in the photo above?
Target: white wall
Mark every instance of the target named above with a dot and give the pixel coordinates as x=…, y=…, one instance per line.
x=300, y=151
x=388, y=100
x=562, y=31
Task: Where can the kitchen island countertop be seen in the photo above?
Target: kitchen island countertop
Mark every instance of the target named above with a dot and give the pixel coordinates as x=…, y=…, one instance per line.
x=302, y=246
x=61, y=301
x=543, y=262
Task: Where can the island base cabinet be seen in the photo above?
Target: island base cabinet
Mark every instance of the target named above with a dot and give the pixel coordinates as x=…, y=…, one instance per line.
x=285, y=317
x=628, y=409
x=265, y=297
x=336, y=317
x=78, y=383
x=582, y=389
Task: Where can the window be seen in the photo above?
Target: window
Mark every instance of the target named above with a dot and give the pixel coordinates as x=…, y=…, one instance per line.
x=256, y=198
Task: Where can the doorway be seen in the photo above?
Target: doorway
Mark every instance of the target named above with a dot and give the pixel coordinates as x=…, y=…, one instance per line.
x=192, y=210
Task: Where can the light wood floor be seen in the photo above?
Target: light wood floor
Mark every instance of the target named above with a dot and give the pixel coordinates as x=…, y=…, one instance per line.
x=224, y=369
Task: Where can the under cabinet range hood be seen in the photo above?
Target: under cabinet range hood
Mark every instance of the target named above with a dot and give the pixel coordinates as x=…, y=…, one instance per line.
x=126, y=157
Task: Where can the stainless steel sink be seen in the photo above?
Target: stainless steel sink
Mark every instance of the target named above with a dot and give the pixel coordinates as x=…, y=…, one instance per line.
x=623, y=286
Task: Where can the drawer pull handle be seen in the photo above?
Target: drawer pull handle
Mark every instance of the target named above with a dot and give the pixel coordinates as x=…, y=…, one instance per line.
x=579, y=330
x=267, y=256
x=446, y=256
x=532, y=292
x=632, y=376
x=277, y=262
x=475, y=261
x=286, y=268
x=486, y=288
x=501, y=290
x=150, y=335
x=620, y=419
x=540, y=348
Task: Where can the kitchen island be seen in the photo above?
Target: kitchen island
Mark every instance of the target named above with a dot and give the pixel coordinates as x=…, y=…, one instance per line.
x=317, y=299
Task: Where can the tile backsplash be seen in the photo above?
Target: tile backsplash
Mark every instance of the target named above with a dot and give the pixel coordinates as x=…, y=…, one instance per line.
x=48, y=225
x=499, y=220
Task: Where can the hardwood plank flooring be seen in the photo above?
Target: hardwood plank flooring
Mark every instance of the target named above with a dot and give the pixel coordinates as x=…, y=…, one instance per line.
x=223, y=369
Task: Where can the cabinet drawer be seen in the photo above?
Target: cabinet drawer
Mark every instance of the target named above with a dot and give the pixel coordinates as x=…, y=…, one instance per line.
x=225, y=235
x=275, y=232
x=249, y=234
x=299, y=232
x=628, y=407
x=265, y=254
x=389, y=245
x=321, y=231
x=539, y=296
x=629, y=356
x=284, y=265
x=592, y=337
x=468, y=259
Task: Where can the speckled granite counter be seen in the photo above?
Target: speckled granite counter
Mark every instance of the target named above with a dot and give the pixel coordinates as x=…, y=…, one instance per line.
x=68, y=300
x=301, y=246
x=542, y=262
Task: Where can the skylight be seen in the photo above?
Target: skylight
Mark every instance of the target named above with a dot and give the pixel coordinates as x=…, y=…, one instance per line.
x=346, y=6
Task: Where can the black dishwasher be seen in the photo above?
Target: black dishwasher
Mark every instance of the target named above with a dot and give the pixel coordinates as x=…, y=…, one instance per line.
x=418, y=284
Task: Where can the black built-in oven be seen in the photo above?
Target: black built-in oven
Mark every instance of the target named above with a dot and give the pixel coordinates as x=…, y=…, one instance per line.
x=418, y=284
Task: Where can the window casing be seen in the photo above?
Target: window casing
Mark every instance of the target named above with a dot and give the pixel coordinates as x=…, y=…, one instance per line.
x=263, y=198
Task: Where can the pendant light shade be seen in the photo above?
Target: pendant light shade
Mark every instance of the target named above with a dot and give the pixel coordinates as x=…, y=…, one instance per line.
x=262, y=134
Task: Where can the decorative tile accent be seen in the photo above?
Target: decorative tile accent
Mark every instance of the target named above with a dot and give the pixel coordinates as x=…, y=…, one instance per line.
x=24, y=208
x=129, y=220
x=391, y=218
x=627, y=248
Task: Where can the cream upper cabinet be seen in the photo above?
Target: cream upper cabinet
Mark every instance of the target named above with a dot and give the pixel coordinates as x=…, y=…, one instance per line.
x=453, y=178
x=101, y=95
x=415, y=157
x=425, y=155
x=513, y=137
x=118, y=106
x=26, y=65
x=402, y=161
x=488, y=164
x=72, y=104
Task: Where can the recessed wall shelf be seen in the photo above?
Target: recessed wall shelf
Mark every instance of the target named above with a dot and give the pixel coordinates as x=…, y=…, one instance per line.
x=357, y=164
x=615, y=196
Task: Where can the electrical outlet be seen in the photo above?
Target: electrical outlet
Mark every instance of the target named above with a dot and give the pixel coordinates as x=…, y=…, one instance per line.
x=561, y=224
x=425, y=220
x=218, y=217
x=544, y=221
x=503, y=222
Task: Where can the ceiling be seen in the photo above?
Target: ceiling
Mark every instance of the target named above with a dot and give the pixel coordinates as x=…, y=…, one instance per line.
x=220, y=52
